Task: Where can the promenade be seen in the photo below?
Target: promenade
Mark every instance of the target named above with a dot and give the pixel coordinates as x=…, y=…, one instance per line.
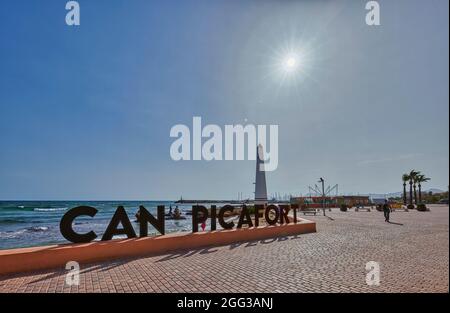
x=412, y=250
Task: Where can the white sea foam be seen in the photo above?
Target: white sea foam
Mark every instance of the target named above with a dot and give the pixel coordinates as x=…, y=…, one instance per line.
x=49, y=209
x=12, y=234
x=18, y=233
x=37, y=228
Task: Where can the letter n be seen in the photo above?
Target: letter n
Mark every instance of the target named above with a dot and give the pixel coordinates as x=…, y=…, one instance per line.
x=146, y=217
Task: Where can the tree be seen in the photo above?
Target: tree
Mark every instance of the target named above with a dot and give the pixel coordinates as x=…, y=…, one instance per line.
x=405, y=179
x=415, y=177
x=412, y=174
x=421, y=179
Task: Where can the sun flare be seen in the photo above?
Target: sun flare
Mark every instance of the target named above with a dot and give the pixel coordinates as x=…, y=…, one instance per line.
x=290, y=63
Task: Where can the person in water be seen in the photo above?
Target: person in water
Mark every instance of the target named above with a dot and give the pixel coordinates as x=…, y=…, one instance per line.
x=137, y=215
x=177, y=212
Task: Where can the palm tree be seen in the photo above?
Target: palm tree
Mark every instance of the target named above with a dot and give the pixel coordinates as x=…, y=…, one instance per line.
x=421, y=179
x=405, y=179
x=415, y=181
x=412, y=175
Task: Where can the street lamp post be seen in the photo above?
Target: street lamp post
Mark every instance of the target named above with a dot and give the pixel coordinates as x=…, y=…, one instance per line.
x=321, y=180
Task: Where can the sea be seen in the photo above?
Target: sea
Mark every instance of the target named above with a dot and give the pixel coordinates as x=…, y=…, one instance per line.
x=36, y=223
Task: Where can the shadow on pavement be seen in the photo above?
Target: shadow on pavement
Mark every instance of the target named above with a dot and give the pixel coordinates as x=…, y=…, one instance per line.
x=207, y=250
x=396, y=223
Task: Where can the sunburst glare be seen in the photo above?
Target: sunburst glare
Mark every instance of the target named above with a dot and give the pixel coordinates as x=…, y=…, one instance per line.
x=290, y=65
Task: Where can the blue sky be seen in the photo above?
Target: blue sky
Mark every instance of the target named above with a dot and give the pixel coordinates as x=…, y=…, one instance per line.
x=85, y=112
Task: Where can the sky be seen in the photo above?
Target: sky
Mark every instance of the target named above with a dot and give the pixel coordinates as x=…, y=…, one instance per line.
x=86, y=111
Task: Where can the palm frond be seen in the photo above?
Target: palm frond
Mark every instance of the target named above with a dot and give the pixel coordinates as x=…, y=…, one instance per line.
x=405, y=177
x=422, y=178
x=413, y=175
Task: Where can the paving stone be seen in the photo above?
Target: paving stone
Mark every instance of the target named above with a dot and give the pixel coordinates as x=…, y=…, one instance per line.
x=412, y=251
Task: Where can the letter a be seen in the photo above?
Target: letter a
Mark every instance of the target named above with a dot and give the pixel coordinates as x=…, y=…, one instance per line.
x=180, y=148
x=373, y=16
x=73, y=16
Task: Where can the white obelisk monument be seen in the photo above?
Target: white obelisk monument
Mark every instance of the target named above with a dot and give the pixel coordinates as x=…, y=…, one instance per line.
x=260, y=180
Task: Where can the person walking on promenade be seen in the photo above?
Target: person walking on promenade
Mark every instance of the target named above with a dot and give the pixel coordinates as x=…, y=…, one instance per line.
x=386, y=210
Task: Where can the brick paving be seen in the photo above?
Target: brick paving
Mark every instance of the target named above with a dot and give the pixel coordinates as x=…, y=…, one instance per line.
x=413, y=253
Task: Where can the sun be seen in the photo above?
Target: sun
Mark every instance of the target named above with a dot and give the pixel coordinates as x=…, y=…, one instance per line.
x=290, y=63
x=290, y=66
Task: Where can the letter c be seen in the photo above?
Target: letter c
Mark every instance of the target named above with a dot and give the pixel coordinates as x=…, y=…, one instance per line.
x=66, y=224
x=222, y=222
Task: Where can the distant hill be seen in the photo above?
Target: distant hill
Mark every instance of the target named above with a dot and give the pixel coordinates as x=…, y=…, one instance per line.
x=434, y=190
x=400, y=193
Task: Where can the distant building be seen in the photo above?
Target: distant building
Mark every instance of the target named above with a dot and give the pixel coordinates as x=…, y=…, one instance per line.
x=330, y=201
x=378, y=201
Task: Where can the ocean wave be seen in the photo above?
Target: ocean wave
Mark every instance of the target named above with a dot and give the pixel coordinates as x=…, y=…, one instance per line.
x=15, y=208
x=11, y=234
x=49, y=209
x=12, y=221
x=37, y=228
x=35, y=208
x=22, y=208
x=18, y=233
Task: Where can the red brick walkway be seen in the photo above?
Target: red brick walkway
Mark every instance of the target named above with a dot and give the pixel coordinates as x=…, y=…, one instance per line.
x=413, y=258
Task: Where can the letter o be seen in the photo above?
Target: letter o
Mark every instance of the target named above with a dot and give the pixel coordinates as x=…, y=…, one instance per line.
x=277, y=214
